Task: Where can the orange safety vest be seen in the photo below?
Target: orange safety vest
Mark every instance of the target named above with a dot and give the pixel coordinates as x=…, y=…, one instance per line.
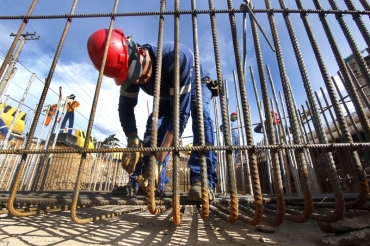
x=72, y=105
x=51, y=112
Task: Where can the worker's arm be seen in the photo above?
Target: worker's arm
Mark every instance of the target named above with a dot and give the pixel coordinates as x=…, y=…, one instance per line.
x=126, y=108
x=167, y=142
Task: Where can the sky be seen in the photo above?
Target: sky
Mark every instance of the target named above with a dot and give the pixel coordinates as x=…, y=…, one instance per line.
x=76, y=74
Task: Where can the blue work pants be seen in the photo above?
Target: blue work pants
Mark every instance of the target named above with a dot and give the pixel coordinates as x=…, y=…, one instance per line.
x=70, y=116
x=211, y=158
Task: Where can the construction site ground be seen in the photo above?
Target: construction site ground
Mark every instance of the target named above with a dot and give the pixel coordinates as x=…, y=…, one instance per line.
x=142, y=228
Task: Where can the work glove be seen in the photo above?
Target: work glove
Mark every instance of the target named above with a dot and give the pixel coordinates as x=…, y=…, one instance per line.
x=143, y=180
x=12, y=144
x=130, y=159
x=213, y=87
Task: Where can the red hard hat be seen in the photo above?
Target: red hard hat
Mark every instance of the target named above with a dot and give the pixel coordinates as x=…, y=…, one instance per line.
x=233, y=113
x=117, y=58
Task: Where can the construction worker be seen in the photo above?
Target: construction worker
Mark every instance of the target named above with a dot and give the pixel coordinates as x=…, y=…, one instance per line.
x=4, y=130
x=275, y=118
x=234, y=132
x=139, y=73
x=71, y=107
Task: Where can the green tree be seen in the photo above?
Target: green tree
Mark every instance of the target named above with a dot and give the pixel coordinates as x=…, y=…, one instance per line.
x=110, y=141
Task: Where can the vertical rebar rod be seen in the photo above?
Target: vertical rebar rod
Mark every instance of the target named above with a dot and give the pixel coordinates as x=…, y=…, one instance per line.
x=153, y=209
x=365, y=4
x=288, y=151
x=337, y=150
x=10, y=202
x=269, y=122
x=225, y=120
x=315, y=116
x=359, y=22
x=268, y=155
x=219, y=154
x=349, y=116
x=352, y=43
x=308, y=208
x=310, y=165
x=176, y=125
x=83, y=160
x=364, y=98
x=331, y=91
x=279, y=129
x=295, y=171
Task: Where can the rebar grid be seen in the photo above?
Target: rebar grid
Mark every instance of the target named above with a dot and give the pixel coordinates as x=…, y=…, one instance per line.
x=303, y=154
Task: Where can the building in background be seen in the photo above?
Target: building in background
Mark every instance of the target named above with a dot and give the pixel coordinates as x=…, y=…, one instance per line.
x=357, y=71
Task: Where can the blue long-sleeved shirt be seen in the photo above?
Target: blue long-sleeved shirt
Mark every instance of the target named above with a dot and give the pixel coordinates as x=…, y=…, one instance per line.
x=129, y=97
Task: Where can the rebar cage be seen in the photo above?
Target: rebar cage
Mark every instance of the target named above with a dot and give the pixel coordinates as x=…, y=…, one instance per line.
x=307, y=156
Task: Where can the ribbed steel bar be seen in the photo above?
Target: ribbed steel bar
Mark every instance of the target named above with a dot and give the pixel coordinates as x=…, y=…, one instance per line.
x=176, y=114
x=364, y=70
x=363, y=186
x=225, y=118
x=309, y=157
x=246, y=114
x=359, y=22
x=219, y=154
x=268, y=155
x=188, y=148
x=10, y=203
x=240, y=135
x=203, y=162
x=25, y=19
x=187, y=12
x=333, y=97
x=364, y=98
x=279, y=132
x=315, y=116
x=153, y=209
x=83, y=161
x=314, y=152
x=284, y=135
x=349, y=115
x=294, y=165
x=239, y=109
x=365, y=4
x=295, y=128
x=353, y=45
x=343, y=162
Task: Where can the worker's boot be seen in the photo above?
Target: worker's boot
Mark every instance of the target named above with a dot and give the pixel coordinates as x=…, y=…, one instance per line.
x=195, y=193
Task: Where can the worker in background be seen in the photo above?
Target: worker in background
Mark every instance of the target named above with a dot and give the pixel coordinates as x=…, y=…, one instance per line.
x=138, y=72
x=71, y=109
x=234, y=133
x=278, y=129
x=4, y=130
x=275, y=118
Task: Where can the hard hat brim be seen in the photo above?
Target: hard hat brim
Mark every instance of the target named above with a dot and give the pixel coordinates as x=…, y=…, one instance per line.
x=135, y=69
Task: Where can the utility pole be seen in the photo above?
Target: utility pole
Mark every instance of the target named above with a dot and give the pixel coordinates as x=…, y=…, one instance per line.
x=8, y=74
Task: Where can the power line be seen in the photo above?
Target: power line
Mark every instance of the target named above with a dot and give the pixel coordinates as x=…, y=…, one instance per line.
x=82, y=89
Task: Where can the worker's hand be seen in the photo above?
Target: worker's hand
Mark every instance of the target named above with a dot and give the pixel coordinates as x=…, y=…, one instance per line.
x=12, y=144
x=130, y=159
x=143, y=180
x=213, y=87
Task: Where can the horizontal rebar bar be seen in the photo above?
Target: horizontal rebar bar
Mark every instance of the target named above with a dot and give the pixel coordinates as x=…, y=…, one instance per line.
x=188, y=12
